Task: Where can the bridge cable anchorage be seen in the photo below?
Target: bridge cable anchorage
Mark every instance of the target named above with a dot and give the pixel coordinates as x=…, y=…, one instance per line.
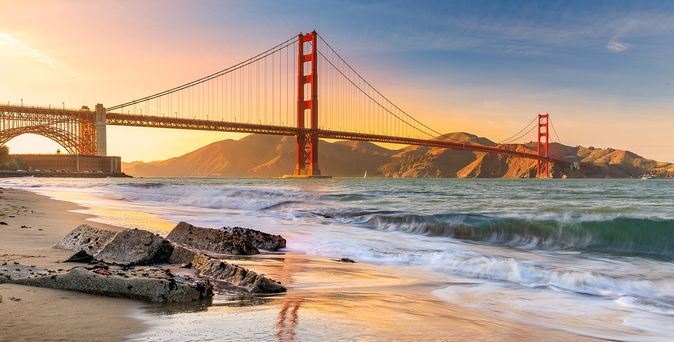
x=235, y=67
x=437, y=134
x=517, y=135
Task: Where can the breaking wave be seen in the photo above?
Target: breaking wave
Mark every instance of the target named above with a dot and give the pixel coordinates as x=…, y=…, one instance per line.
x=616, y=235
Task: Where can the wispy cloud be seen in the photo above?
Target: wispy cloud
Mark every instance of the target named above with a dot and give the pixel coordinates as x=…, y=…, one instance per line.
x=9, y=43
x=616, y=46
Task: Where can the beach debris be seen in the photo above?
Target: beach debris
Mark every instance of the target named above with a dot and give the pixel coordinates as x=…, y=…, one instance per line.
x=211, y=240
x=86, y=237
x=259, y=239
x=14, y=299
x=136, y=247
x=24, y=226
x=347, y=260
x=3, y=223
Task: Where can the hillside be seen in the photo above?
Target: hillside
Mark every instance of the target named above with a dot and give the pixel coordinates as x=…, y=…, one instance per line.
x=274, y=156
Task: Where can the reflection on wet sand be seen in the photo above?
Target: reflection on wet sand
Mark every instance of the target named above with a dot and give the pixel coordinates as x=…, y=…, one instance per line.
x=286, y=323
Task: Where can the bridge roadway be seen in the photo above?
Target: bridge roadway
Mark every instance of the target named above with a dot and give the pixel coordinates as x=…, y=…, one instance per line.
x=136, y=120
x=118, y=119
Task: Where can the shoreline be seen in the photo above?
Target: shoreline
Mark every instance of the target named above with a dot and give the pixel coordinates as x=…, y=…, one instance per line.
x=351, y=301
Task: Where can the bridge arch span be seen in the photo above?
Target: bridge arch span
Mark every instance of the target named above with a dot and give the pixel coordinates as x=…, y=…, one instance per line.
x=74, y=130
x=66, y=139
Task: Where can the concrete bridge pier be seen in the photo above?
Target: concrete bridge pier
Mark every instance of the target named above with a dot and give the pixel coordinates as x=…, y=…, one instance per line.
x=101, y=141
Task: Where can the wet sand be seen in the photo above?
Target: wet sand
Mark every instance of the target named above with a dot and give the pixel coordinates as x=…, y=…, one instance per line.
x=326, y=300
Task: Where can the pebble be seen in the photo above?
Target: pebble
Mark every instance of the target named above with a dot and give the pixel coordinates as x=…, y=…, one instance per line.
x=346, y=260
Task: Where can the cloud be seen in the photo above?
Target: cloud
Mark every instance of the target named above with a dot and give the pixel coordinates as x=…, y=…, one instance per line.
x=10, y=43
x=616, y=46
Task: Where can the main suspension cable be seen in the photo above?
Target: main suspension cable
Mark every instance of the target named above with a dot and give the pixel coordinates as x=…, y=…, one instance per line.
x=235, y=67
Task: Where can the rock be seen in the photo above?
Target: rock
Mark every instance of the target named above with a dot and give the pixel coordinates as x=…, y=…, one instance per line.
x=223, y=271
x=345, y=260
x=87, y=238
x=259, y=239
x=82, y=256
x=156, y=285
x=136, y=247
x=211, y=240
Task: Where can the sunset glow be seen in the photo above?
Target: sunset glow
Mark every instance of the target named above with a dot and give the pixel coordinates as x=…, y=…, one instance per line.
x=604, y=74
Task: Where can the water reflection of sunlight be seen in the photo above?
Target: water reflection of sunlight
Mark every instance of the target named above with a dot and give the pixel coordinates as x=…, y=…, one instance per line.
x=110, y=212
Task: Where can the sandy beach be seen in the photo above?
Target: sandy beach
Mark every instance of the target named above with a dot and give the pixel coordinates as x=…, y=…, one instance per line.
x=31, y=313
x=326, y=300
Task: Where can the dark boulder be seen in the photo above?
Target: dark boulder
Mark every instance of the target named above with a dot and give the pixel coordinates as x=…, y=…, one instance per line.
x=259, y=239
x=211, y=240
x=223, y=271
x=136, y=247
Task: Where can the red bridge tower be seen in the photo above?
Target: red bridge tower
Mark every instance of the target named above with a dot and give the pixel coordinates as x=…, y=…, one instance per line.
x=306, y=163
x=543, y=170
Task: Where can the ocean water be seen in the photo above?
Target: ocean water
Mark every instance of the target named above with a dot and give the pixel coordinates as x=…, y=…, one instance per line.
x=591, y=257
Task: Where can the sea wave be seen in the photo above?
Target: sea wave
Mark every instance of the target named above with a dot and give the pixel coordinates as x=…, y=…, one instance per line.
x=212, y=197
x=653, y=237
x=146, y=185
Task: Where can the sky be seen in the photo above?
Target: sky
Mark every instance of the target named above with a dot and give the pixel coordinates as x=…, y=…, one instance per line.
x=602, y=69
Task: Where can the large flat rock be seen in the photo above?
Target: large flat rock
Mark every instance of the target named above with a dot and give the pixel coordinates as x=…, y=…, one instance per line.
x=136, y=247
x=149, y=283
x=211, y=240
x=87, y=238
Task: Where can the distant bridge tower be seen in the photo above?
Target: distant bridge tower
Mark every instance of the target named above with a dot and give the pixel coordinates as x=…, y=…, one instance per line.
x=543, y=169
x=101, y=139
x=306, y=163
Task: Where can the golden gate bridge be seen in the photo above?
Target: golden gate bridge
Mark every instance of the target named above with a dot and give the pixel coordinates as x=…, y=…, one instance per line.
x=274, y=92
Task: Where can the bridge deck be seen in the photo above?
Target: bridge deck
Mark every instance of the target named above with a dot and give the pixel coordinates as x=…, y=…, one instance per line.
x=210, y=125
x=135, y=120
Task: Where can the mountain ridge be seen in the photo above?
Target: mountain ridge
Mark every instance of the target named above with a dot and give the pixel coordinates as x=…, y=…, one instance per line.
x=274, y=156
